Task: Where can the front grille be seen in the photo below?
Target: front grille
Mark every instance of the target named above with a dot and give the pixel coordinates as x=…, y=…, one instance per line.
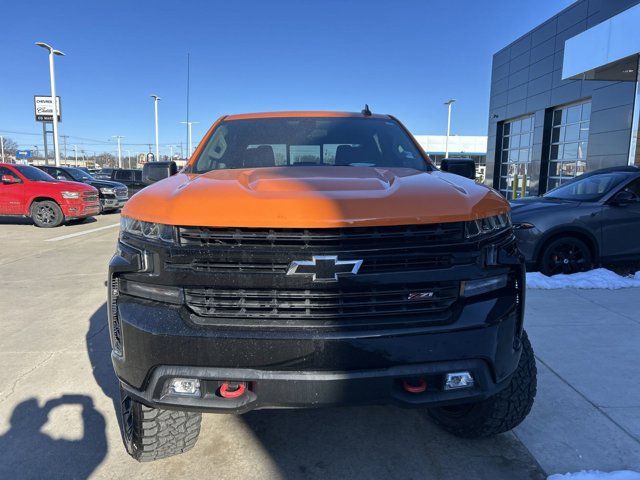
x=270, y=251
x=330, y=304
x=90, y=197
x=122, y=192
x=356, y=238
x=385, y=263
x=114, y=319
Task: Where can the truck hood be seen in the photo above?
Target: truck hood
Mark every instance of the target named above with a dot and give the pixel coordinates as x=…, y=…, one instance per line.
x=313, y=197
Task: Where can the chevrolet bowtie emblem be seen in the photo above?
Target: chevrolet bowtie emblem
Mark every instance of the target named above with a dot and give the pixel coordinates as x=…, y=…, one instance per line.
x=325, y=268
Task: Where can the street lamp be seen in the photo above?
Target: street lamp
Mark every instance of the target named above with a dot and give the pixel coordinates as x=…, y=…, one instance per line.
x=118, y=137
x=52, y=74
x=155, y=106
x=190, y=143
x=449, y=103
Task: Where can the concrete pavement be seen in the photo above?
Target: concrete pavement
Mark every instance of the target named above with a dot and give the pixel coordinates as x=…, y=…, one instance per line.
x=58, y=392
x=587, y=412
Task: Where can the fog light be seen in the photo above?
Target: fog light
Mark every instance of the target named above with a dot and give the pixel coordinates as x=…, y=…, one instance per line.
x=185, y=386
x=458, y=380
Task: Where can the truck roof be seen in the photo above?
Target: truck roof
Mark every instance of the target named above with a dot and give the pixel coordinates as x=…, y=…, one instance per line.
x=310, y=113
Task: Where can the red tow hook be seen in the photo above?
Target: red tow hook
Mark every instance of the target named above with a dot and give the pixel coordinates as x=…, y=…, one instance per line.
x=415, y=386
x=232, y=389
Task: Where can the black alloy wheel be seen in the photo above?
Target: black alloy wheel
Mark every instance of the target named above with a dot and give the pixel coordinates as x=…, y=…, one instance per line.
x=566, y=255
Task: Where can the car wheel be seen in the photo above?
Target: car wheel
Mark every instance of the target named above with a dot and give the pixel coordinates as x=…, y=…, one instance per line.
x=46, y=214
x=565, y=255
x=498, y=413
x=152, y=433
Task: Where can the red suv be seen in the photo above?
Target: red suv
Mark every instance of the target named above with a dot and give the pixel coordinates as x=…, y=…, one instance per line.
x=28, y=191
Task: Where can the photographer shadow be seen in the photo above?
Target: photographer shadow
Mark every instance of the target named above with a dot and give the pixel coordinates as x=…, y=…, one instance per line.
x=27, y=452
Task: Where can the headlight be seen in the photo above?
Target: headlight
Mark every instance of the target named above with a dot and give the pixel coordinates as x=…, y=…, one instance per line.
x=108, y=191
x=70, y=194
x=148, y=230
x=477, y=229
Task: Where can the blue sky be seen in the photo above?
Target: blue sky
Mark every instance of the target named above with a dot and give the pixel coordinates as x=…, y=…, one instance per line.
x=401, y=57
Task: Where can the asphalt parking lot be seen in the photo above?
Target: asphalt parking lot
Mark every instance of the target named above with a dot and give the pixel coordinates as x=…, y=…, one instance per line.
x=57, y=390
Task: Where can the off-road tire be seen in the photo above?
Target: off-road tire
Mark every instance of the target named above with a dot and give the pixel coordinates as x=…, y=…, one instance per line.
x=151, y=433
x=498, y=413
x=46, y=214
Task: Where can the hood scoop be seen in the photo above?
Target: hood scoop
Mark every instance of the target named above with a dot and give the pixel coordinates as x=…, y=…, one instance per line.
x=316, y=179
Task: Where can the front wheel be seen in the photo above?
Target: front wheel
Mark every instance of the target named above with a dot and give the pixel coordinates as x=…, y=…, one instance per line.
x=152, y=433
x=498, y=413
x=46, y=214
x=565, y=255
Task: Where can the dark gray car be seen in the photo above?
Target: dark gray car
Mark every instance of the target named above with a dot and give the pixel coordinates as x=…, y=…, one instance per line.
x=594, y=218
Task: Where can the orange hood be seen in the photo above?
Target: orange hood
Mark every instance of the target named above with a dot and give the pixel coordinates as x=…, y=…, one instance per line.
x=313, y=197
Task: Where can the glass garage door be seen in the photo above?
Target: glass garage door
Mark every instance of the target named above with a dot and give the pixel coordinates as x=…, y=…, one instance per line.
x=569, y=138
x=515, y=159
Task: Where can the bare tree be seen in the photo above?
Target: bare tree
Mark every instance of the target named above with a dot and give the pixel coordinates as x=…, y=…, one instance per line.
x=10, y=146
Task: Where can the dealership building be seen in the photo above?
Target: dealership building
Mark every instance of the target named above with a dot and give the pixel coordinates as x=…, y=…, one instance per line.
x=565, y=98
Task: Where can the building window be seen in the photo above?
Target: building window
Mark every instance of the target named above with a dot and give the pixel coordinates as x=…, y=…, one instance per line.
x=515, y=157
x=569, y=138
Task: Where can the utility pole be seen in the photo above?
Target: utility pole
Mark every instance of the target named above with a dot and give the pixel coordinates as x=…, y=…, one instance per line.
x=118, y=137
x=75, y=149
x=171, y=152
x=128, y=157
x=52, y=52
x=156, y=98
x=449, y=103
x=64, y=141
x=2, y=146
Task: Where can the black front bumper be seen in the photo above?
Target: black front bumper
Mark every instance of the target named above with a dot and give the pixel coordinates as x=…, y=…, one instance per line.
x=311, y=367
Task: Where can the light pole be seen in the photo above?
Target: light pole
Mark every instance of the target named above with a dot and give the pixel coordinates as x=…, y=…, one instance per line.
x=52, y=74
x=118, y=137
x=2, y=146
x=155, y=105
x=75, y=149
x=128, y=157
x=449, y=103
x=190, y=146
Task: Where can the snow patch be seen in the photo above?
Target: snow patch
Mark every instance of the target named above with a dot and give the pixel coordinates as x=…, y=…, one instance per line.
x=597, y=475
x=599, y=278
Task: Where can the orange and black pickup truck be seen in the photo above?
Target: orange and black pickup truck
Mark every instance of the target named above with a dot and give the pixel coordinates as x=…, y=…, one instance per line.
x=306, y=259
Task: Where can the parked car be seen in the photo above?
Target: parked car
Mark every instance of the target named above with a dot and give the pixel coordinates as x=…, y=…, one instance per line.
x=29, y=192
x=113, y=195
x=129, y=177
x=594, y=218
x=103, y=174
x=307, y=259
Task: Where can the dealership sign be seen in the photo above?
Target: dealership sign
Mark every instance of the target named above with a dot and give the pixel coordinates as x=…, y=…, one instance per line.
x=23, y=154
x=44, y=108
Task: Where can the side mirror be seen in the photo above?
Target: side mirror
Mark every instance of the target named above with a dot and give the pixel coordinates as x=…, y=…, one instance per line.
x=8, y=179
x=623, y=198
x=60, y=177
x=465, y=167
x=155, y=171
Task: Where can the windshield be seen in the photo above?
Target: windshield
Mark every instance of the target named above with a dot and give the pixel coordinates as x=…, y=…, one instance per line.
x=588, y=189
x=34, y=174
x=300, y=142
x=79, y=175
